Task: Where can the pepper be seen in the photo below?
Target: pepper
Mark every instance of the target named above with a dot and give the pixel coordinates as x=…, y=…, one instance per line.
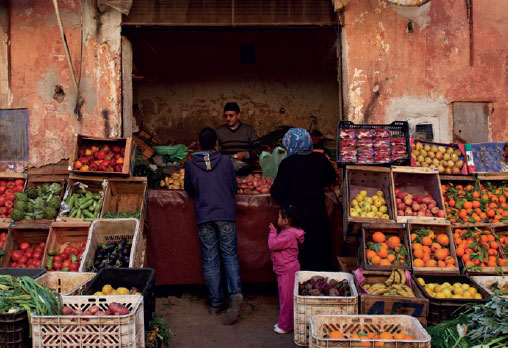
x=49, y=264
x=74, y=258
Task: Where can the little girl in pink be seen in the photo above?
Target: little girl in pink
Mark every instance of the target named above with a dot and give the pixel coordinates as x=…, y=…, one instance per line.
x=284, y=253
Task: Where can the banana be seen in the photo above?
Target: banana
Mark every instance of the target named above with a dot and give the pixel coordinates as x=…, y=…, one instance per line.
x=409, y=291
x=402, y=293
x=402, y=276
x=366, y=286
x=379, y=291
x=396, y=279
x=397, y=286
x=389, y=281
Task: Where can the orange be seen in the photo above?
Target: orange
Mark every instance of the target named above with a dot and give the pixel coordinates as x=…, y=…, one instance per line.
x=370, y=254
x=336, y=334
x=385, y=262
x=417, y=246
x=441, y=263
x=459, y=251
x=435, y=246
x=393, y=242
x=443, y=239
x=468, y=205
x=494, y=245
x=426, y=257
x=379, y=344
x=378, y=237
x=386, y=336
x=375, y=260
x=365, y=344
x=450, y=260
x=413, y=236
x=418, y=254
x=371, y=335
x=449, y=265
x=383, y=253
x=476, y=204
x=399, y=336
x=426, y=249
x=441, y=254
x=391, y=257
x=354, y=336
x=427, y=241
x=501, y=262
x=431, y=263
x=409, y=338
x=418, y=263
x=492, y=263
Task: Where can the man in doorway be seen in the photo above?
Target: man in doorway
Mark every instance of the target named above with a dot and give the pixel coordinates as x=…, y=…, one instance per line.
x=210, y=179
x=238, y=140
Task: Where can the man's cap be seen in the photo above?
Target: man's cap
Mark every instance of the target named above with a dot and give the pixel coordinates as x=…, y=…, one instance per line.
x=231, y=106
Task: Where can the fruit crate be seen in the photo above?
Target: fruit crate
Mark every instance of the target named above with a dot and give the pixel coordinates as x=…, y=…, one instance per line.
x=89, y=183
x=120, y=331
x=348, y=325
x=114, y=230
x=4, y=221
x=307, y=306
x=372, y=180
x=487, y=281
x=142, y=279
x=32, y=234
x=63, y=234
x=397, y=129
x=23, y=272
x=66, y=283
x=83, y=141
x=447, y=308
x=4, y=228
x=370, y=304
x=389, y=230
x=438, y=229
x=347, y=264
x=417, y=181
x=484, y=270
x=14, y=330
x=459, y=149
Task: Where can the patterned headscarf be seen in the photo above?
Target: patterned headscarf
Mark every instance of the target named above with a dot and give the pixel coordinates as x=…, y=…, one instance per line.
x=297, y=140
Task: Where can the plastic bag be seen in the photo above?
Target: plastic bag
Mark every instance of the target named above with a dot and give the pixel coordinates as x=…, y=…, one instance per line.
x=269, y=162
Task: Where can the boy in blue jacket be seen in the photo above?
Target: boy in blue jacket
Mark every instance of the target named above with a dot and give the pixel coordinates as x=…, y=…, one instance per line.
x=210, y=179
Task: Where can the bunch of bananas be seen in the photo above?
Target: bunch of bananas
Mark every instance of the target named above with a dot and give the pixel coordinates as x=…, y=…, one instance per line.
x=393, y=286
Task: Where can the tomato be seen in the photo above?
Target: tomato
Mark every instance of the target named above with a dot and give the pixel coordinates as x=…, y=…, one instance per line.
x=2, y=201
x=37, y=255
x=21, y=266
x=22, y=260
x=13, y=264
x=16, y=255
x=19, y=182
x=3, y=210
x=8, y=204
x=17, y=189
x=64, y=256
x=24, y=246
x=66, y=264
x=28, y=254
x=2, y=189
x=74, y=267
x=3, y=236
x=38, y=249
x=57, y=265
x=58, y=259
x=10, y=184
x=42, y=245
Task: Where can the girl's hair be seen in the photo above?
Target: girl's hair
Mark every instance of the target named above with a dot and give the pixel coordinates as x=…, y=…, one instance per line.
x=291, y=212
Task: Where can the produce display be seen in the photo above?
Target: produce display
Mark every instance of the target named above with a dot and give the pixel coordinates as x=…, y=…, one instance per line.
x=487, y=157
x=3, y=237
x=66, y=260
x=83, y=204
x=124, y=215
x=26, y=256
x=446, y=159
x=369, y=207
x=174, y=181
x=447, y=290
x=100, y=158
x=113, y=309
x=431, y=249
x=476, y=202
x=108, y=290
x=395, y=285
x=114, y=254
x=385, y=251
x=321, y=286
x=36, y=203
x=370, y=336
x=480, y=247
x=8, y=189
x=254, y=184
x=369, y=146
x=25, y=293
x=409, y=205
x=499, y=289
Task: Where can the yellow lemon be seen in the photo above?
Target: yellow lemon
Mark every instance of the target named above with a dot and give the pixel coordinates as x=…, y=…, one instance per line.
x=478, y=297
x=107, y=289
x=363, y=214
x=446, y=292
x=421, y=281
x=472, y=290
x=373, y=209
x=440, y=295
x=98, y=293
x=354, y=213
x=437, y=288
x=368, y=200
x=138, y=293
x=456, y=296
x=458, y=291
x=378, y=204
x=371, y=215
x=354, y=203
x=465, y=286
x=123, y=291
x=467, y=294
x=457, y=285
x=447, y=284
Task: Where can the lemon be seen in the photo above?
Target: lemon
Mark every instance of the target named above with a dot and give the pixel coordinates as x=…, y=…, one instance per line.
x=107, y=289
x=457, y=285
x=123, y=291
x=371, y=215
x=440, y=295
x=351, y=211
x=467, y=294
x=98, y=293
x=114, y=292
x=458, y=291
x=380, y=193
x=138, y=293
x=447, y=284
x=383, y=209
x=421, y=281
x=363, y=214
x=358, y=210
x=366, y=206
x=428, y=288
x=383, y=200
x=385, y=216
x=363, y=193
x=446, y=292
x=478, y=297
x=465, y=286
x=437, y=288
x=456, y=296
x=472, y=290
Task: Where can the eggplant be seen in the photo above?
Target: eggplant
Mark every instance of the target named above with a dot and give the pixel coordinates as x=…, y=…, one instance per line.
x=111, y=246
x=100, y=265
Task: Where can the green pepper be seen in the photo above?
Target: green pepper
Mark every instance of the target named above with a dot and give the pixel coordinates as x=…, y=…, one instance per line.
x=74, y=258
x=49, y=264
x=53, y=252
x=66, y=269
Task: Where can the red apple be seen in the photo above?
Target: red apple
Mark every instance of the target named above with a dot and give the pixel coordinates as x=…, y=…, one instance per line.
x=400, y=213
x=441, y=213
x=434, y=210
x=415, y=206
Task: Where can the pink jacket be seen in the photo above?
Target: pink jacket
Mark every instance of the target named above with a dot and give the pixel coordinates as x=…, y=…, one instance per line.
x=284, y=248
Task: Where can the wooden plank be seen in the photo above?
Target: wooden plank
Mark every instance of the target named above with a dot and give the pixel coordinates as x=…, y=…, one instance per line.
x=368, y=168
x=414, y=170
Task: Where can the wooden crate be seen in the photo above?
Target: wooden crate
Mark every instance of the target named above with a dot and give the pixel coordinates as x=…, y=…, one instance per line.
x=417, y=181
x=486, y=281
x=32, y=234
x=88, y=141
x=307, y=306
x=370, y=179
x=113, y=230
x=347, y=264
x=11, y=176
x=66, y=283
x=438, y=229
x=389, y=229
x=92, y=184
x=322, y=325
x=460, y=147
x=62, y=234
x=417, y=307
x=145, y=149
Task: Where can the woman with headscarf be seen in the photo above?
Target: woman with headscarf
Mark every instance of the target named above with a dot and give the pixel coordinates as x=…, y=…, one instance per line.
x=300, y=181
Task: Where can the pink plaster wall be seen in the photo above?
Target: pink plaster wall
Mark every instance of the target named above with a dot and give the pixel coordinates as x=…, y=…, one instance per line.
x=38, y=63
x=430, y=63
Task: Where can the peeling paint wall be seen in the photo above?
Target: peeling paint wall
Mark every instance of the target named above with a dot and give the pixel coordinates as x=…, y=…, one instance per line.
x=38, y=64
x=391, y=73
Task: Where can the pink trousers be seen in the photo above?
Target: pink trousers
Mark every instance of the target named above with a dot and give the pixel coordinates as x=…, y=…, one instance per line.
x=286, y=284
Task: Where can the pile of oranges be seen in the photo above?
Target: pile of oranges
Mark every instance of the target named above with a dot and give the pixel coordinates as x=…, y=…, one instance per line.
x=371, y=336
x=479, y=247
x=385, y=251
x=431, y=249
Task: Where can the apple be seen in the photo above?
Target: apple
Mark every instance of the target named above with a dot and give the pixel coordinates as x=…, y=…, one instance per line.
x=434, y=210
x=415, y=206
x=441, y=213
x=400, y=213
x=408, y=201
x=401, y=206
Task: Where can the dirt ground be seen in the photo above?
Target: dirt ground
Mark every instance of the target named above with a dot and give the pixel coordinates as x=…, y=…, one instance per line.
x=186, y=312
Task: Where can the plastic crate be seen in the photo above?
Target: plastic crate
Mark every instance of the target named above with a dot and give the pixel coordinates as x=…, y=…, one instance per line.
x=397, y=129
x=14, y=330
x=23, y=272
x=142, y=279
x=307, y=306
x=348, y=325
x=119, y=331
x=66, y=283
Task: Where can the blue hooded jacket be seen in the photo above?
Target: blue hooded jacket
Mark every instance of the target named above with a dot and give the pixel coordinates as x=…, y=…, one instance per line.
x=210, y=179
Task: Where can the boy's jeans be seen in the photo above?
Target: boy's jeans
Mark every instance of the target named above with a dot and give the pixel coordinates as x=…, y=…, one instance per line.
x=218, y=239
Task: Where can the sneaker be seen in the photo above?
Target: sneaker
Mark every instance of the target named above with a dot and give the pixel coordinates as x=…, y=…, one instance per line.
x=233, y=312
x=278, y=330
x=215, y=310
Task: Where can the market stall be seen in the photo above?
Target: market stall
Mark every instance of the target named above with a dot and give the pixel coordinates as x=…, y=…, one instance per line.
x=173, y=245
